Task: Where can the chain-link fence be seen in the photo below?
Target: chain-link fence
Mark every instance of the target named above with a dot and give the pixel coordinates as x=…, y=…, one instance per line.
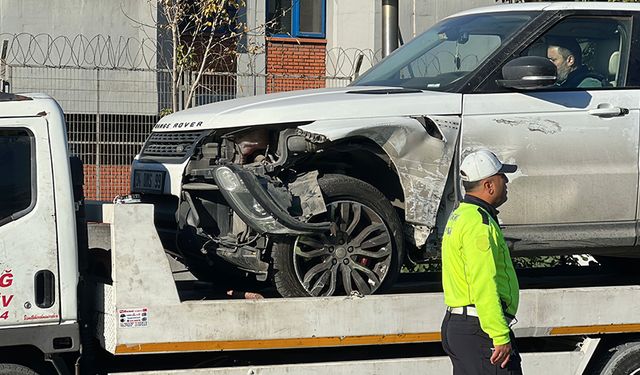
x=109, y=114
x=111, y=107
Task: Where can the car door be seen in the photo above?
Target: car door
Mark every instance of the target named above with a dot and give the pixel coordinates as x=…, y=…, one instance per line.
x=28, y=249
x=576, y=148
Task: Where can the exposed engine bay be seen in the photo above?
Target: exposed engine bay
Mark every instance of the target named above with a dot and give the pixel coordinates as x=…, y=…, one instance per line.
x=316, y=207
x=237, y=168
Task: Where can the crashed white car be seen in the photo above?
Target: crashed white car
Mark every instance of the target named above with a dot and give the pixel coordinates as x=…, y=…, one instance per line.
x=329, y=191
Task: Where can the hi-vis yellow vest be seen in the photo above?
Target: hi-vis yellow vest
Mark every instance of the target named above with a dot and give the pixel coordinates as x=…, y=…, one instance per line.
x=477, y=269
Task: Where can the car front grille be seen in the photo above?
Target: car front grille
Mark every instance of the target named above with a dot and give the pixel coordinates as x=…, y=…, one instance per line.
x=171, y=145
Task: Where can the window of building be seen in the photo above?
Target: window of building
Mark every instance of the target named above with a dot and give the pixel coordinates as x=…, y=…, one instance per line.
x=17, y=170
x=296, y=18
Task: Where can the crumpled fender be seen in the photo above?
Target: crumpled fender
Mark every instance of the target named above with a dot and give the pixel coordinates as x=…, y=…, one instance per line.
x=421, y=159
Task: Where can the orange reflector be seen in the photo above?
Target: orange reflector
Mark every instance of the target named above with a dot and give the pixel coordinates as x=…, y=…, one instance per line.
x=310, y=342
x=595, y=329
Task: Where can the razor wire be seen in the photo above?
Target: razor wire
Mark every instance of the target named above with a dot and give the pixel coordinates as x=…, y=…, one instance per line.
x=346, y=62
x=130, y=53
x=80, y=51
x=114, y=89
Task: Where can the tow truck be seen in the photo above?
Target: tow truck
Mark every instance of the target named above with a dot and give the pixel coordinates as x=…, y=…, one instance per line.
x=65, y=308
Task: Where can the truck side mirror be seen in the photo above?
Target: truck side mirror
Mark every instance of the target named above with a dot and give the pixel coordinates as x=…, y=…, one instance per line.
x=528, y=73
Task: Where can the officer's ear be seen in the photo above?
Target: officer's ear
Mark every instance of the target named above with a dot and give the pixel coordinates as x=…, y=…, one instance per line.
x=488, y=185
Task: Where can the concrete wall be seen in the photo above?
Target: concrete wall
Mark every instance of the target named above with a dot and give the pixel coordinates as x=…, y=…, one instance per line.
x=252, y=57
x=355, y=25
x=418, y=15
x=73, y=17
x=80, y=34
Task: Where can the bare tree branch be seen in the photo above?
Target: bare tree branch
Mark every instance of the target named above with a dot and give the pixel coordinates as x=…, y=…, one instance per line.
x=204, y=35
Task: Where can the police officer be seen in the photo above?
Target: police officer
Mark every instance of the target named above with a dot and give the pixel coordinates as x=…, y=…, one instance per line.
x=480, y=286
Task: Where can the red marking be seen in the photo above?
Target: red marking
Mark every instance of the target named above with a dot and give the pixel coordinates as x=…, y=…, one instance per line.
x=6, y=280
x=41, y=316
x=6, y=300
x=5, y=315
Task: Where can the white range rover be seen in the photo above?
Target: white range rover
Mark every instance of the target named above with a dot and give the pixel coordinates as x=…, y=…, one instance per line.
x=329, y=191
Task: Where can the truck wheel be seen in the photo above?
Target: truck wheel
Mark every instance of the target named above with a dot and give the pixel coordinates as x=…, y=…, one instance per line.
x=363, y=256
x=625, y=360
x=13, y=369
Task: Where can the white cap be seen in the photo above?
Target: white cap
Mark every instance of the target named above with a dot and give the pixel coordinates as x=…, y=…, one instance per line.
x=481, y=164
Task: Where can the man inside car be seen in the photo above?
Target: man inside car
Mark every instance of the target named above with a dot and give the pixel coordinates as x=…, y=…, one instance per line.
x=566, y=55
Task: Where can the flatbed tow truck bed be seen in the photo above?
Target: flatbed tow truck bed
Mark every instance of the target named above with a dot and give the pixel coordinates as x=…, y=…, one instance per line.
x=141, y=313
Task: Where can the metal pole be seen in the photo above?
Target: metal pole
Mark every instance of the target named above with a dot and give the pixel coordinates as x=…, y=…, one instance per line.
x=389, y=26
x=4, y=82
x=413, y=21
x=98, y=136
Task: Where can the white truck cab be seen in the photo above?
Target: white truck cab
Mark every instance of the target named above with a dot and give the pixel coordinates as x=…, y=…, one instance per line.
x=38, y=239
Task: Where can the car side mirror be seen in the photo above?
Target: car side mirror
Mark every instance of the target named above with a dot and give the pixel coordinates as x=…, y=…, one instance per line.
x=528, y=73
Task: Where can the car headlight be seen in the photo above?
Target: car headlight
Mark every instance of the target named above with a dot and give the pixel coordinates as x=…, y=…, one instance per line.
x=245, y=204
x=228, y=180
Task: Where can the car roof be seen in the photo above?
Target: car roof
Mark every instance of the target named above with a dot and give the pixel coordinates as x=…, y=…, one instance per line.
x=522, y=7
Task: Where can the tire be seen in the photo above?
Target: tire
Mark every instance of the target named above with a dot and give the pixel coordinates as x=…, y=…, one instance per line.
x=625, y=360
x=13, y=369
x=367, y=244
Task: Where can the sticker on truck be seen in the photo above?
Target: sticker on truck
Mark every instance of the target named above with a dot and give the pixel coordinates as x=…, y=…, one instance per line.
x=133, y=318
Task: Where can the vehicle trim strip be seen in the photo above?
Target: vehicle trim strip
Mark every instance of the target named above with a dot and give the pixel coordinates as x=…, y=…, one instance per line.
x=595, y=329
x=335, y=341
x=308, y=342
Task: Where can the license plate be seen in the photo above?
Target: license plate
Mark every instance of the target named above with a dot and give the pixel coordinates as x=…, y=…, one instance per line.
x=148, y=181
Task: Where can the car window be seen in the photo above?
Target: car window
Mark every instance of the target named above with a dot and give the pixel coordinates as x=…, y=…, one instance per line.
x=447, y=61
x=16, y=169
x=589, y=53
x=442, y=57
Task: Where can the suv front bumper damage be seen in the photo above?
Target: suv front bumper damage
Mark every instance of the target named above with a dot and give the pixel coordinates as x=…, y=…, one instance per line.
x=257, y=207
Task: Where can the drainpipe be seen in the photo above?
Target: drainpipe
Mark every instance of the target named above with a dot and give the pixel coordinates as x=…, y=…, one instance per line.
x=389, y=26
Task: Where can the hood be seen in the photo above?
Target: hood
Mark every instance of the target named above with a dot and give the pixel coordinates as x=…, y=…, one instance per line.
x=312, y=105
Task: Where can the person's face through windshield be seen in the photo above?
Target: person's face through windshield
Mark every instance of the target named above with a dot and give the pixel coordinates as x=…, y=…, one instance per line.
x=564, y=63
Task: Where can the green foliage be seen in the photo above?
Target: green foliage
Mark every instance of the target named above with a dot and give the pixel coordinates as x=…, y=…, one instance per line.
x=185, y=59
x=204, y=35
x=430, y=265
x=435, y=264
x=165, y=112
x=544, y=261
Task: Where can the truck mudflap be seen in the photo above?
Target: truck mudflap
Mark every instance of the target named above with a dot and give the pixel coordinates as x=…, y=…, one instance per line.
x=257, y=208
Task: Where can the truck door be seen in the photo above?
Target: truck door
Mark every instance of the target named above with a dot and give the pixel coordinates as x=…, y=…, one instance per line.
x=29, y=292
x=577, y=147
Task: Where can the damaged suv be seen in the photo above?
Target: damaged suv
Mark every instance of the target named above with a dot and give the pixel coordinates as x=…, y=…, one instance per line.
x=330, y=191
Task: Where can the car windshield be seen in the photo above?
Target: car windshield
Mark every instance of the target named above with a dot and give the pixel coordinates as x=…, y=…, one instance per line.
x=440, y=58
